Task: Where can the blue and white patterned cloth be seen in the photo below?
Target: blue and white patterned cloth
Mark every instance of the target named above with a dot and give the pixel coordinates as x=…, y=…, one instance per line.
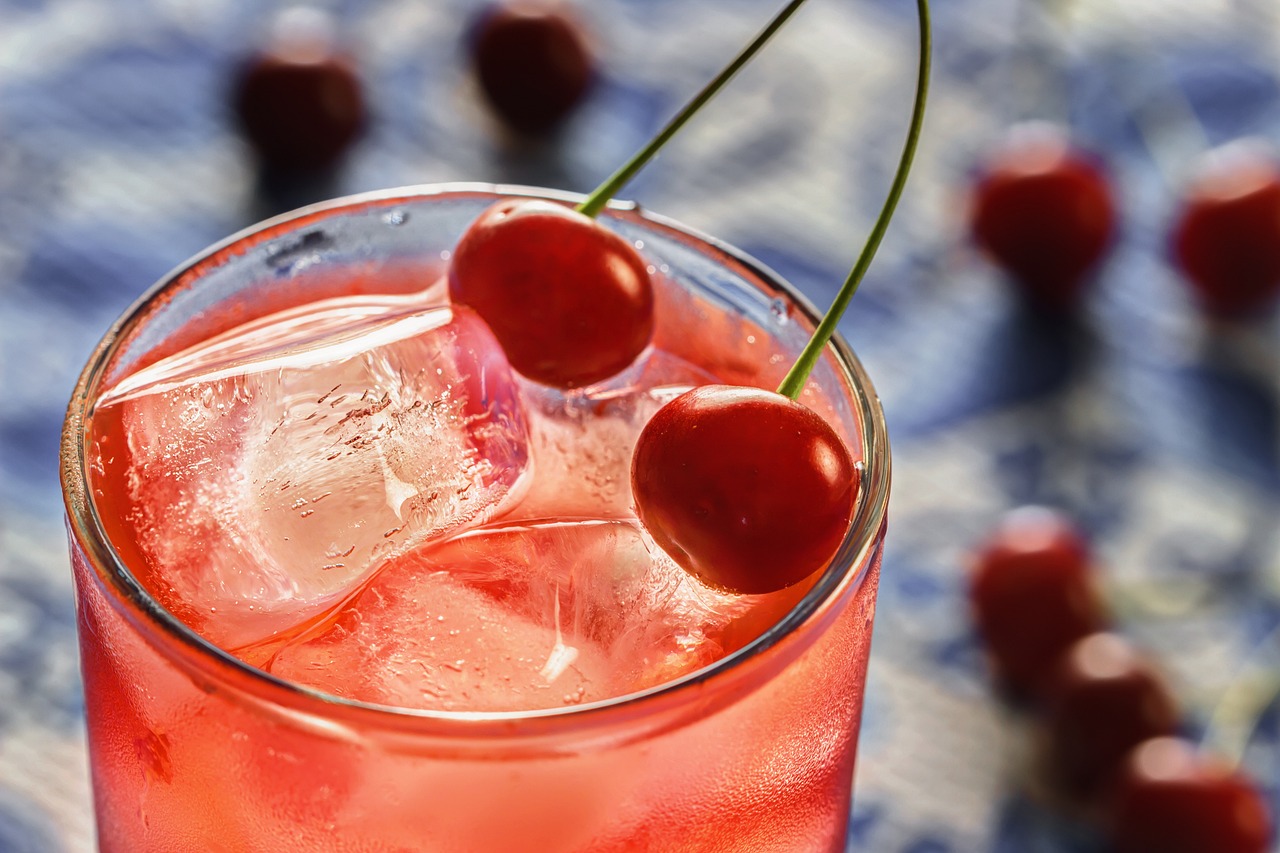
x=1162, y=434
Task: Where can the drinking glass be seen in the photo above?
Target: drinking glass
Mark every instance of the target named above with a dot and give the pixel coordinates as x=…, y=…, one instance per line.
x=193, y=749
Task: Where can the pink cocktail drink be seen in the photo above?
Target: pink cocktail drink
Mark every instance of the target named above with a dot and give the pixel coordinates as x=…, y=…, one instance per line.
x=347, y=582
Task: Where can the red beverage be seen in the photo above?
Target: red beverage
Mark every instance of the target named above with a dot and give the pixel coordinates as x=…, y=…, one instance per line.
x=349, y=583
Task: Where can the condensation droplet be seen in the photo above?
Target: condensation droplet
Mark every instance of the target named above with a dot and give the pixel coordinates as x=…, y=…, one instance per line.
x=780, y=309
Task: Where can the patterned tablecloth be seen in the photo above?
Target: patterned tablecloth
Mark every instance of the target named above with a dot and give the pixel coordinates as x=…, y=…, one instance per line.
x=1157, y=430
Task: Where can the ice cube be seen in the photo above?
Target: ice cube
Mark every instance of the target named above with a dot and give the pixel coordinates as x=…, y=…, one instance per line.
x=270, y=472
x=512, y=617
x=582, y=440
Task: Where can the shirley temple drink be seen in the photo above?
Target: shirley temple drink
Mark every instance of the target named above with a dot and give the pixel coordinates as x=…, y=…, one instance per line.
x=349, y=581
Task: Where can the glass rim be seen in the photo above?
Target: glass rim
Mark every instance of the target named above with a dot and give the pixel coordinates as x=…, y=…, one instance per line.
x=856, y=550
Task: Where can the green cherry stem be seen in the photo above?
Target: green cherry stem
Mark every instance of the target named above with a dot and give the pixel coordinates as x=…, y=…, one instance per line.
x=595, y=202
x=795, y=379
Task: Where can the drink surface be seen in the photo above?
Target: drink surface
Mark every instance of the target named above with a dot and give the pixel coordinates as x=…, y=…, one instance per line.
x=360, y=496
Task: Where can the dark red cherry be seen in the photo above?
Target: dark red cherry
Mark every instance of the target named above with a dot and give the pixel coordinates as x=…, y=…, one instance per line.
x=1042, y=209
x=1226, y=236
x=1171, y=799
x=570, y=301
x=533, y=62
x=1104, y=699
x=299, y=101
x=746, y=489
x=1032, y=594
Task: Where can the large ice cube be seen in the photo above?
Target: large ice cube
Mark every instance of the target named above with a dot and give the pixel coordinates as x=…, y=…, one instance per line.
x=270, y=471
x=517, y=617
x=582, y=440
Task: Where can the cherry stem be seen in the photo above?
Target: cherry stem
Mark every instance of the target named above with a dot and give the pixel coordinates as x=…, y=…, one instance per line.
x=595, y=202
x=796, y=378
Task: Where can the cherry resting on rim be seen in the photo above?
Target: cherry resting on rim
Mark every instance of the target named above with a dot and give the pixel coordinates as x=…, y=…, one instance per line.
x=1170, y=799
x=713, y=462
x=532, y=62
x=1032, y=594
x=571, y=301
x=1042, y=209
x=1226, y=237
x=692, y=487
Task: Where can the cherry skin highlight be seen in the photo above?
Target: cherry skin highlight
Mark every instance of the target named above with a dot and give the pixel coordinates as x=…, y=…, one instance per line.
x=533, y=62
x=1032, y=595
x=1043, y=211
x=1105, y=698
x=1171, y=799
x=570, y=301
x=299, y=100
x=746, y=489
x=1226, y=236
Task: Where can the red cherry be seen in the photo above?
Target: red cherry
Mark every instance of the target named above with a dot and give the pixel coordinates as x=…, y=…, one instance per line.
x=746, y=489
x=570, y=301
x=299, y=101
x=1104, y=699
x=1226, y=237
x=1042, y=209
x=533, y=63
x=1172, y=800
x=1033, y=595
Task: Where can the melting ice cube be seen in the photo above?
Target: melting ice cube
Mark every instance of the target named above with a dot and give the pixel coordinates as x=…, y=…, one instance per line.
x=515, y=616
x=583, y=440
x=270, y=472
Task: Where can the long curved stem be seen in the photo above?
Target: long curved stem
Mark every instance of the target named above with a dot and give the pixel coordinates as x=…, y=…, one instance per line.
x=795, y=379
x=595, y=202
